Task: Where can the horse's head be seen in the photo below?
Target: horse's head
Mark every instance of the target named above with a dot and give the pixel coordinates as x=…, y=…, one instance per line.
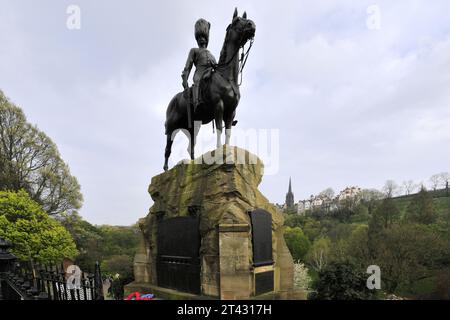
x=241, y=29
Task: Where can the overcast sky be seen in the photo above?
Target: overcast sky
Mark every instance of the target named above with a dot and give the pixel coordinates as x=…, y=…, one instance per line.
x=354, y=104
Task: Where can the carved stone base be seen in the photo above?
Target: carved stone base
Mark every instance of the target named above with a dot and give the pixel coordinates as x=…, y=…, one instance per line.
x=218, y=195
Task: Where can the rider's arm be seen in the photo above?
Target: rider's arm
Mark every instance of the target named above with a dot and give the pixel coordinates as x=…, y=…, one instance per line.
x=188, y=67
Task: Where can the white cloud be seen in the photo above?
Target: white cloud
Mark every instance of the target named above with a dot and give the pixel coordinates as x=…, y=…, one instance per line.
x=353, y=106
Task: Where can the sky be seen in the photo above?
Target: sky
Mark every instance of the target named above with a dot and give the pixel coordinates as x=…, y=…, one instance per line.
x=352, y=92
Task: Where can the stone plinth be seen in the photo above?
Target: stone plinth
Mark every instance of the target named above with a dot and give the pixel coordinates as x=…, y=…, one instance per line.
x=219, y=189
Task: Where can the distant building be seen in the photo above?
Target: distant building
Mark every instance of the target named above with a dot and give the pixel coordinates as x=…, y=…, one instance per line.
x=349, y=193
x=314, y=202
x=325, y=203
x=290, y=198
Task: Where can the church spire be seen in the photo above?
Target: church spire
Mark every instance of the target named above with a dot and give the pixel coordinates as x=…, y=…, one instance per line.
x=290, y=197
x=290, y=187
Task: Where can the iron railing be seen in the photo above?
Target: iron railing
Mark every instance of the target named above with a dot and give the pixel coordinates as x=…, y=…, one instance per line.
x=28, y=281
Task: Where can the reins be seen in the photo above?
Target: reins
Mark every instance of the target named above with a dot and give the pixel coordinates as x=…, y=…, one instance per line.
x=242, y=60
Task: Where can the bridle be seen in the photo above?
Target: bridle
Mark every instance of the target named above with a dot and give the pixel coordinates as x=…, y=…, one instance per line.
x=242, y=59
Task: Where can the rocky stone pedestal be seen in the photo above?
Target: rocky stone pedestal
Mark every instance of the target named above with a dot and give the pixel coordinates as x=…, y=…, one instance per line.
x=213, y=196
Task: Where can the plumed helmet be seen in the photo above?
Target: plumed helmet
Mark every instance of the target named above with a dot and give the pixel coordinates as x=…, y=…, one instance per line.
x=202, y=29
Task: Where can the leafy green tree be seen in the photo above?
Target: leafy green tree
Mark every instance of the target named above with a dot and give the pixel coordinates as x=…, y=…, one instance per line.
x=297, y=242
x=342, y=281
x=34, y=234
x=88, y=239
x=120, y=240
x=319, y=254
x=294, y=220
x=302, y=280
x=408, y=253
x=30, y=160
x=357, y=250
x=385, y=215
x=119, y=264
x=100, y=243
x=312, y=229
x=421, y=208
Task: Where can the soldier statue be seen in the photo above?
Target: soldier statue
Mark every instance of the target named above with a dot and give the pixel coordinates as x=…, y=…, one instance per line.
x=201, y=57
x=215, y=93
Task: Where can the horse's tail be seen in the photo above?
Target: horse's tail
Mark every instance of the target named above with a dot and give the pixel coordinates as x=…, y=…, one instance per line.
x=169, y=114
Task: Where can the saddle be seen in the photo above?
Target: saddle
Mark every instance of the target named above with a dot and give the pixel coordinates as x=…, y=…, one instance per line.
x=203, y=88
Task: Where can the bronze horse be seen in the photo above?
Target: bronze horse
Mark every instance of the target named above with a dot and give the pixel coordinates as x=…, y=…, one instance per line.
x=221, y=95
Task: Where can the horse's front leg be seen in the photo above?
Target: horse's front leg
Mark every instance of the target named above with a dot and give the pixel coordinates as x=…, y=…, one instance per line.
x=219, y=122
x=228, y=124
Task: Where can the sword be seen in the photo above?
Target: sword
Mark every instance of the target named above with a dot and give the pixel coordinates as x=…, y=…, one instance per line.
x=187, y=96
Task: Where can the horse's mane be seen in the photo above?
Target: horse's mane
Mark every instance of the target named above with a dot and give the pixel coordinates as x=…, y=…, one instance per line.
x=223, y=52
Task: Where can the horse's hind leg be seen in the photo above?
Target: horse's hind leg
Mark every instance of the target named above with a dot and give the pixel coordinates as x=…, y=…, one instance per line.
x=190, y=135
x=168, y=150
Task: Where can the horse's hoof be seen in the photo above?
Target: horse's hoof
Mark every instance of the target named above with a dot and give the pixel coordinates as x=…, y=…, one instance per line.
x=165, y=168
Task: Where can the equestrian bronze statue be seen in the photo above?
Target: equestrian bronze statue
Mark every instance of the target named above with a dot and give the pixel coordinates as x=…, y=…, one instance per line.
x=214, y=94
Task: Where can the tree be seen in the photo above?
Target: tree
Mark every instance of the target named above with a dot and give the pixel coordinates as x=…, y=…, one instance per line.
x=358, y=246
x=421, y=208
x=390, y=188
x=88, y=239
x=445, y=178
x=302, y=280
x=342, y=281
x=435, y=180
x=370, y=197
x=30, y=160
x=119, y=264
x=386, y=213
x=297, y=242
x=319, y=254
x=407, y=253
x=312, y=228
x=329, y=193
x=409, y=187
x=35, y=236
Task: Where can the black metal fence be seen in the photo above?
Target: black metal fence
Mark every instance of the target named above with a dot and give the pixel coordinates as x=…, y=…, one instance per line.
x=35, y=282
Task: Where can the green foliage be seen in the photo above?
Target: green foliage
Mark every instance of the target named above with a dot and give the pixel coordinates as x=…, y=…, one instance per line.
x=88, y=239
x=119, y=264
x=294, y=220
x=407, y=236
x=342, y=281
x=386, y=214
x=421, y=208
x=30, y=160
x=302, y=279
x=312, y=229
x=361, y=214
x=119, y=240
x=320, y=253
x=297, y=242
x=357, y=250
x=99, y=243
x=34, y=234
x=407, y=253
